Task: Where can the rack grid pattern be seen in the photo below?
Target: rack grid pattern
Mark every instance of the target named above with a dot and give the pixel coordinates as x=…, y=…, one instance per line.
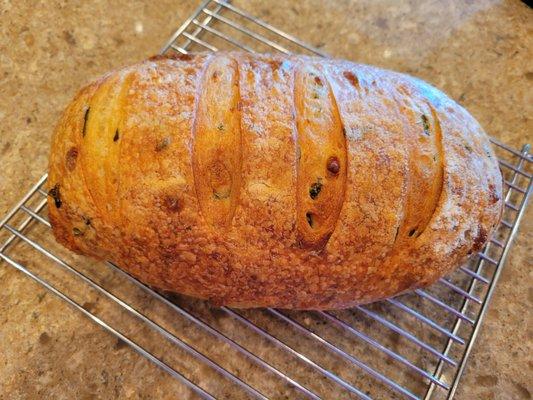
x=413, y=346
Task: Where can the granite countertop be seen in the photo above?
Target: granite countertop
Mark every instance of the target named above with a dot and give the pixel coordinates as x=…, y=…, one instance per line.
x=479, y=52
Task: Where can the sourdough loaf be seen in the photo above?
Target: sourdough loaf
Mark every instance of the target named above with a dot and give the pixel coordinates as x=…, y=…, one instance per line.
x=263, y=180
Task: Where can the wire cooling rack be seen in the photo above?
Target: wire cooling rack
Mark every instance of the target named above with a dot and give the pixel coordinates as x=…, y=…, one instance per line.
x=413, y=346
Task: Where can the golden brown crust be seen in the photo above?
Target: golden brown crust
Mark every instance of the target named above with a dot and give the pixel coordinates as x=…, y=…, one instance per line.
x=321, y=151
x=217, y=148
x=262, y=180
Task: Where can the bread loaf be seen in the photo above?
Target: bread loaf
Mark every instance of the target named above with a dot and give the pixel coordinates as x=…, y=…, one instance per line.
x=265, y=180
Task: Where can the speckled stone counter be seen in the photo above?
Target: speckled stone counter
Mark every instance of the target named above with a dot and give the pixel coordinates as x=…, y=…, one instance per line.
x=479, y=52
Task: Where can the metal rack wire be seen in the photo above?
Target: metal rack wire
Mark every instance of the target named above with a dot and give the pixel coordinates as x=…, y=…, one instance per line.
x=414, y=346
